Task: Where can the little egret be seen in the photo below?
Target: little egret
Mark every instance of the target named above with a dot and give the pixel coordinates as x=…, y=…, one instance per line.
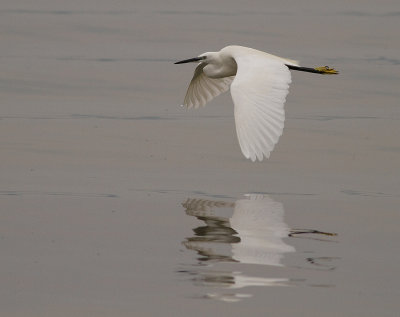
x=259, y=85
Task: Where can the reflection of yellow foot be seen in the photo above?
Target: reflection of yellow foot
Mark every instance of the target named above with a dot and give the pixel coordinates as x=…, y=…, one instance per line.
x=326, y=70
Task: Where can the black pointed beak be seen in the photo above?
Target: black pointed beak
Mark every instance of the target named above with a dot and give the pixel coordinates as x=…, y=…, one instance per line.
x=191, y=60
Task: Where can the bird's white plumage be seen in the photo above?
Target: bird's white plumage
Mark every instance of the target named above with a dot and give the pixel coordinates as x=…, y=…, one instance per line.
x=259, y=92
x=259, y=85
x=203, y=89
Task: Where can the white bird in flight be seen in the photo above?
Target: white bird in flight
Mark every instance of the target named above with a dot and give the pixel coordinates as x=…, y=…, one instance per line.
x=259, y=85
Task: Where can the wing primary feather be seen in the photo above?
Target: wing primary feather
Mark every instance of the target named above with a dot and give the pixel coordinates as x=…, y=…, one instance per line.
x=275, y=127
x=266, y=142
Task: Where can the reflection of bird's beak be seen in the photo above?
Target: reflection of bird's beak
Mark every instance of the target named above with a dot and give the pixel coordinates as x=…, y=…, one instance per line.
x=191, y=60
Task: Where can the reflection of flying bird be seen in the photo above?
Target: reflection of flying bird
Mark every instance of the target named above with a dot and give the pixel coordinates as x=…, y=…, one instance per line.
x=250, y=231
x=254, y=231
x=259, y=83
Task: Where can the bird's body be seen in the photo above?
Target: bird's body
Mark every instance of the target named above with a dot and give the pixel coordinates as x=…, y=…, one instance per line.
x=259, y=84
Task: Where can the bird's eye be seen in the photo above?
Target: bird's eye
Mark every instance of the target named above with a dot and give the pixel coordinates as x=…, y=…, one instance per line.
x=327, y=67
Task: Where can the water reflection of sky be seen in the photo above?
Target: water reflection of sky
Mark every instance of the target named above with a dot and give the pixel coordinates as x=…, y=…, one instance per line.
x=249, y=231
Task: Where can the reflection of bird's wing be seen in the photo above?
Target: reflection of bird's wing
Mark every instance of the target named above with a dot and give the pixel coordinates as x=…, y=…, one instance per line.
x=259, y=92
x=259, y=223
x=259, y=215
x=202, y=89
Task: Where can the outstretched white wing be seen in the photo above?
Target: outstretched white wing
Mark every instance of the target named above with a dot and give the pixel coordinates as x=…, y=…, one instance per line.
x=259, y=92
x=202, y=88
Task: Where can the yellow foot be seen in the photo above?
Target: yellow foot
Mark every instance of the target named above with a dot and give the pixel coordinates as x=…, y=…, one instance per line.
x=326, y=70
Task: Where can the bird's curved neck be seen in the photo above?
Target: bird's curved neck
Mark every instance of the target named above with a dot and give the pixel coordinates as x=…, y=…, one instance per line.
x=219, y=66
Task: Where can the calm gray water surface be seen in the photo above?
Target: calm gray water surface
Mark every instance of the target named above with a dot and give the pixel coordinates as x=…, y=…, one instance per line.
x=117, y=202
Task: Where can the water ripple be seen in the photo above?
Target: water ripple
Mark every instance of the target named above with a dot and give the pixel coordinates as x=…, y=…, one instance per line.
x=44, y=193
x=352, y=192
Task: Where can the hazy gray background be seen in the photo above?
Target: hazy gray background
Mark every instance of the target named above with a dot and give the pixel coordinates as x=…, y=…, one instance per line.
x=97, y=157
